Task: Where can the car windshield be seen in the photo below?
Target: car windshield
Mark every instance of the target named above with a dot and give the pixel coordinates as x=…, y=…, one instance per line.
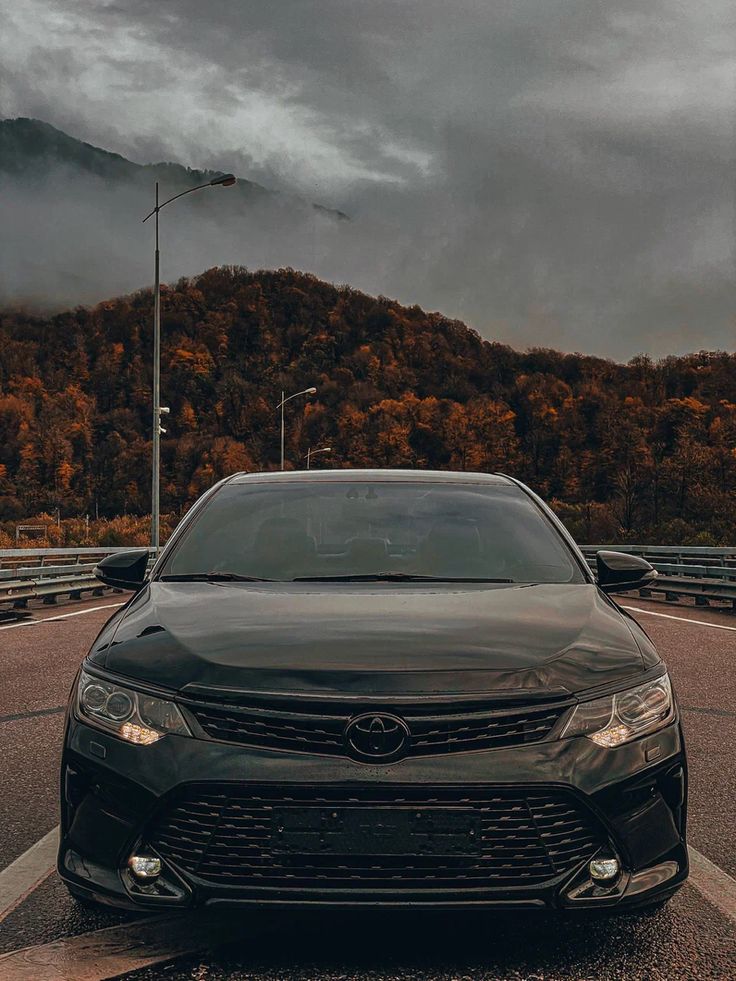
x=372, y=530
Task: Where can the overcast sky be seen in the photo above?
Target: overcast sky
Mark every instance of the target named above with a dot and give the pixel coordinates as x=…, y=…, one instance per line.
x=553, y=172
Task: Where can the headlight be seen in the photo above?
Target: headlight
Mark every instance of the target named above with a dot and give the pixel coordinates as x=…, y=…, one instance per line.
x=129, y=714
x=619, y=718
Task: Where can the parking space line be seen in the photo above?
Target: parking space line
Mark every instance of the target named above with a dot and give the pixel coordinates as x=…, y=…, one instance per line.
x=114, y=951
x=27, y=872
x=669, y=616
x=721, y=713
x=33, y=714
x=61, y=616
x=718, y=887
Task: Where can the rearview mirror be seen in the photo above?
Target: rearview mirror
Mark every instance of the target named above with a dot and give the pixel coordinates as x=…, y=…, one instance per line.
x=124, y=570
x=618, y=571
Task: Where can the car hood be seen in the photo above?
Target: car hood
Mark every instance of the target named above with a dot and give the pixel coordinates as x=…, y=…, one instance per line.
x=393, y=639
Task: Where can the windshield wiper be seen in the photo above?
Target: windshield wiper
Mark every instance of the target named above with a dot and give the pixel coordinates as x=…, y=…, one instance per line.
x=214, y=577
x=395, y=577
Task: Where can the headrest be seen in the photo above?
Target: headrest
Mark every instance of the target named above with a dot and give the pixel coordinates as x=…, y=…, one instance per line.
x=288, y=532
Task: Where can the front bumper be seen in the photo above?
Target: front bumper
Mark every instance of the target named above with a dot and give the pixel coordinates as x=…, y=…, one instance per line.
x=113, y=794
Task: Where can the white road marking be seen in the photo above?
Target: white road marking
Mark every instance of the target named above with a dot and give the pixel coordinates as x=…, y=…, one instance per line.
x=117, y=950
x=669, y=616
x=718, y=887
x=29, y=870
x=61, y=616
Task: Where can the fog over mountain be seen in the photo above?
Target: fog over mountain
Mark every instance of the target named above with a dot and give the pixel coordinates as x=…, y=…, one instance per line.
x=73, y=215
x=555, y=173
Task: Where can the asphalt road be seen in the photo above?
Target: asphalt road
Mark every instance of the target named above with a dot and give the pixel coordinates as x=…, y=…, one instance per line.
x=689, y=939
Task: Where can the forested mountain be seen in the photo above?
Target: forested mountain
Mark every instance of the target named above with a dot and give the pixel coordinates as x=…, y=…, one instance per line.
x=641, y=451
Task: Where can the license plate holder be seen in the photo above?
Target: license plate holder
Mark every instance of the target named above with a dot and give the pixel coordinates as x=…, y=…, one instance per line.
x=376, y=831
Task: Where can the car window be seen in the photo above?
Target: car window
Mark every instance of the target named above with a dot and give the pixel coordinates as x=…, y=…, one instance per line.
x=312, y=529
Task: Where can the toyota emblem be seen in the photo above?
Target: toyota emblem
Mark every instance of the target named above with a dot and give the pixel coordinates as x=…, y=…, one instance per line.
x=377, y=736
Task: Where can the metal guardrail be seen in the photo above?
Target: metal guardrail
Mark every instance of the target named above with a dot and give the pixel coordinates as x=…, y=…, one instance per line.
x=41, y=573
x=700, y=572
x=45, y=574
x=718, y=563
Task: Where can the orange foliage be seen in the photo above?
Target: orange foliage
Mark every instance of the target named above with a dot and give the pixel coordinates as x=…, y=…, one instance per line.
x=638, y=451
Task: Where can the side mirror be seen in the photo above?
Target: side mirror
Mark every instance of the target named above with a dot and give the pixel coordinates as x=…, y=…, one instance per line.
x=124, y=570
x=618, y=571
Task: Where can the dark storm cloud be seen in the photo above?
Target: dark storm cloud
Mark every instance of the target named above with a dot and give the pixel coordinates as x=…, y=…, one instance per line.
x=553, y=171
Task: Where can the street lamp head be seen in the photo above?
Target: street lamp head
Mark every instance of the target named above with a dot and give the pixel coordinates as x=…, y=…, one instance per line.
x=310, y=391
x=227, y=180
x=321, y=449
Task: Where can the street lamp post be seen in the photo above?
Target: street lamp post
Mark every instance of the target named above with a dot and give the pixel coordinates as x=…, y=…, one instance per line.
x=284, y=399
x=311, y=453
x=226, y=180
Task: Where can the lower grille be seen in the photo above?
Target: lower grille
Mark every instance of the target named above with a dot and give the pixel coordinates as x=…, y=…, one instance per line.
x=232, y=836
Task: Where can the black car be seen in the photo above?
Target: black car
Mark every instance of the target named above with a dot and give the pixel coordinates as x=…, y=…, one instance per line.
x=367, y=687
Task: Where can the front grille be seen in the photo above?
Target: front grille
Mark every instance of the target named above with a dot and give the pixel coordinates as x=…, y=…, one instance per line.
x=273, y=728
x=231, y=836
x=319, y=728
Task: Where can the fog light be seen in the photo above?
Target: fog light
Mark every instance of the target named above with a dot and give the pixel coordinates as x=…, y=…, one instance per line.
x=604, y=870
x=145, y=867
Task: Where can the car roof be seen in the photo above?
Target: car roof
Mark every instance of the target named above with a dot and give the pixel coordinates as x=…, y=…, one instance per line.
x=375, y=474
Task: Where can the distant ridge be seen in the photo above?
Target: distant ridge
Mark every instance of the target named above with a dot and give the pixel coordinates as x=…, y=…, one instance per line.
x=31, y=149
